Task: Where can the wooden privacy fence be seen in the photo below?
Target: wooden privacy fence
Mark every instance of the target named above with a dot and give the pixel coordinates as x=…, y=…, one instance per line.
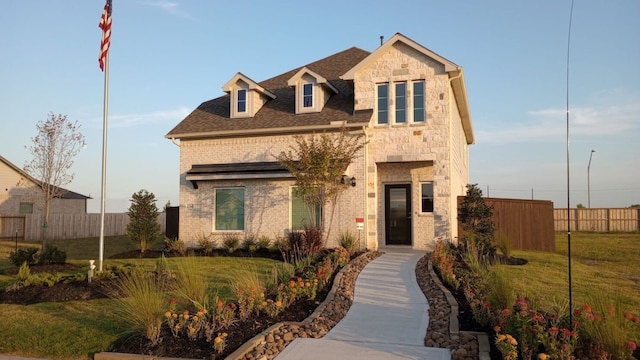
x=598, y=220
x=528, y=224
x=66, y=226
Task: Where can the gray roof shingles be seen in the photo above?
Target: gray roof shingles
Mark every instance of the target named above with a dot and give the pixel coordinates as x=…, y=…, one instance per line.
x=213, y=116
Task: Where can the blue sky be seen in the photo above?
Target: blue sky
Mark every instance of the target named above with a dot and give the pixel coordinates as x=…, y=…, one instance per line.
x=169, y=56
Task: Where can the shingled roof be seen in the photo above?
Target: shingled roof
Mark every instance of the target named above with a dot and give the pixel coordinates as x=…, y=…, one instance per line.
x=212, y=118
x=62, y=193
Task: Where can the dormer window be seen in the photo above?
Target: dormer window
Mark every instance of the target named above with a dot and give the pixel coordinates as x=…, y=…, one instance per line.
x=312, y=91
x=246, y=97
x=242, y=100
x=307, y=100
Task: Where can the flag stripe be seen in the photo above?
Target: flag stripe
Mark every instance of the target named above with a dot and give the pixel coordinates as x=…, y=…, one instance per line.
x=105, y=25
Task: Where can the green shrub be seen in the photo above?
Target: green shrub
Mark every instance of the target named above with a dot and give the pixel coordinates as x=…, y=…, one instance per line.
x=20, y=256
x=143, y=305
x=175, y=246
x=263, y=242
x=250, y=243
x=190, y=283
x=24, y=272
x=204, y=243
x=348, y=241
x=231, y=242
x=52, y=255
x=504, y=244
x=143, y=227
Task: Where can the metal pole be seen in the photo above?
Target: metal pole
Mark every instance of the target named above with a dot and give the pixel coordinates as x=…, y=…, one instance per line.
x=103, y=186
x=568, y=180
x=589, y=180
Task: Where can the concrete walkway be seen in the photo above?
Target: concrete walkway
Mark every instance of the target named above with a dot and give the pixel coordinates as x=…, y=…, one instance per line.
x=388, y=319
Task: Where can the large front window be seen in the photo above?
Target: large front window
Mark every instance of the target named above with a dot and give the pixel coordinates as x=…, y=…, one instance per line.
x=383, y=103
x=229, y=209
x=301, y=215
x=401, y=103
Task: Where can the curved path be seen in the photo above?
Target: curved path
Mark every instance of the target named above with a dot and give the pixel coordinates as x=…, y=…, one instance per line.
x=387, y=320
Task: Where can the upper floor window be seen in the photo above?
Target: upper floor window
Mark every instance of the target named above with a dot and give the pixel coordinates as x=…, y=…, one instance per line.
x=401, y=103
x=418, y=101
x=307, y=96
x=383, y=103
x=242, y=100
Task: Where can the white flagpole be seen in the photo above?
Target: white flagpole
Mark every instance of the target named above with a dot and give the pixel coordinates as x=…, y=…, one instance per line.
x=103, y=186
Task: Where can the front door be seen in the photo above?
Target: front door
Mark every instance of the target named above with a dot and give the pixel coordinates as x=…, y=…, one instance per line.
x=398, y=214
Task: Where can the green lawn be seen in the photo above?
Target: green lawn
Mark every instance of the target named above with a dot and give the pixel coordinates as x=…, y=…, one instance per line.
x=77, y=329
x=604, y=268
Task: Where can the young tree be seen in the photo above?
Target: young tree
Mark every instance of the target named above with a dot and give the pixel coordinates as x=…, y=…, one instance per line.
x=58, y=141
x=477, y=222
x=318, y=163
x=143, y=227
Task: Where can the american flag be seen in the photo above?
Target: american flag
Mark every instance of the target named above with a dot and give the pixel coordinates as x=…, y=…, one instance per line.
x=105, y=25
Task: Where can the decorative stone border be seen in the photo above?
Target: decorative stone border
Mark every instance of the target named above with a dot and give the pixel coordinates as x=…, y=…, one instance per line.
x=457, y=338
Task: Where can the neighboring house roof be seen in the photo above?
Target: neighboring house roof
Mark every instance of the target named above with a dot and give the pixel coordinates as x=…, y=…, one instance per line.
x=212, y=117
x=64, y=193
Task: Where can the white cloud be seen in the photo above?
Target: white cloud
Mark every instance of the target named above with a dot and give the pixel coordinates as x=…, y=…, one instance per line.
x=156, y=117
x=170, y=7
x=544, y=124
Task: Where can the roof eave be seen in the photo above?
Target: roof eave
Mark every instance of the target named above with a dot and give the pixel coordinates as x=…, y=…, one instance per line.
x=268, y=131
x=460, y=93
x=448, y=65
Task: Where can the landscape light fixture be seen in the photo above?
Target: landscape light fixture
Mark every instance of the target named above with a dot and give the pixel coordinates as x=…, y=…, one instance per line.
x=589, y=180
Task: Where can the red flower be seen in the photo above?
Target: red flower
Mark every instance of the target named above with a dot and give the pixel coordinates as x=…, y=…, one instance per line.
x=586, y=308
x=631, y=345
x=553, y=331
x=173, y=301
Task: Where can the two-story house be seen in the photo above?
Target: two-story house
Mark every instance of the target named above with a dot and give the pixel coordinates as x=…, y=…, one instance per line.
x=409, y=103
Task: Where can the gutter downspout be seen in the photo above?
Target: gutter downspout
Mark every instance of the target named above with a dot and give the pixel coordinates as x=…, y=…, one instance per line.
x=366, y=184
x=452, y=217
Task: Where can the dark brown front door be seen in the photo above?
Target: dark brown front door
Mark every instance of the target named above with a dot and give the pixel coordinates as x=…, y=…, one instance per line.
x=398, y=214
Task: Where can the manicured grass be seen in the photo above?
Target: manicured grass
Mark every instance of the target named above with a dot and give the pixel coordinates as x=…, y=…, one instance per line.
x=604, y=268
x=77, y=329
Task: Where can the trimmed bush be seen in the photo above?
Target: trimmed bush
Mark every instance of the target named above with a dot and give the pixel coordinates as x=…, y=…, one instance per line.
x=20, y=256
x=52, y=255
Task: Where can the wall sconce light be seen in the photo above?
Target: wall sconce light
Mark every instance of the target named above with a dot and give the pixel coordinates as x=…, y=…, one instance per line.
x=346, y=180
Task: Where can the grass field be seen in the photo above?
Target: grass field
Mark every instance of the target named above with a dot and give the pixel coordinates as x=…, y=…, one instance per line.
x=604, y=268
x=77, y=329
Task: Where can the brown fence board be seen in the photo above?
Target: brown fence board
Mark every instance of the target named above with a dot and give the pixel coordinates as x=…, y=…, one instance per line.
x=67, y=226
x=528, y=224
x=598, y=220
